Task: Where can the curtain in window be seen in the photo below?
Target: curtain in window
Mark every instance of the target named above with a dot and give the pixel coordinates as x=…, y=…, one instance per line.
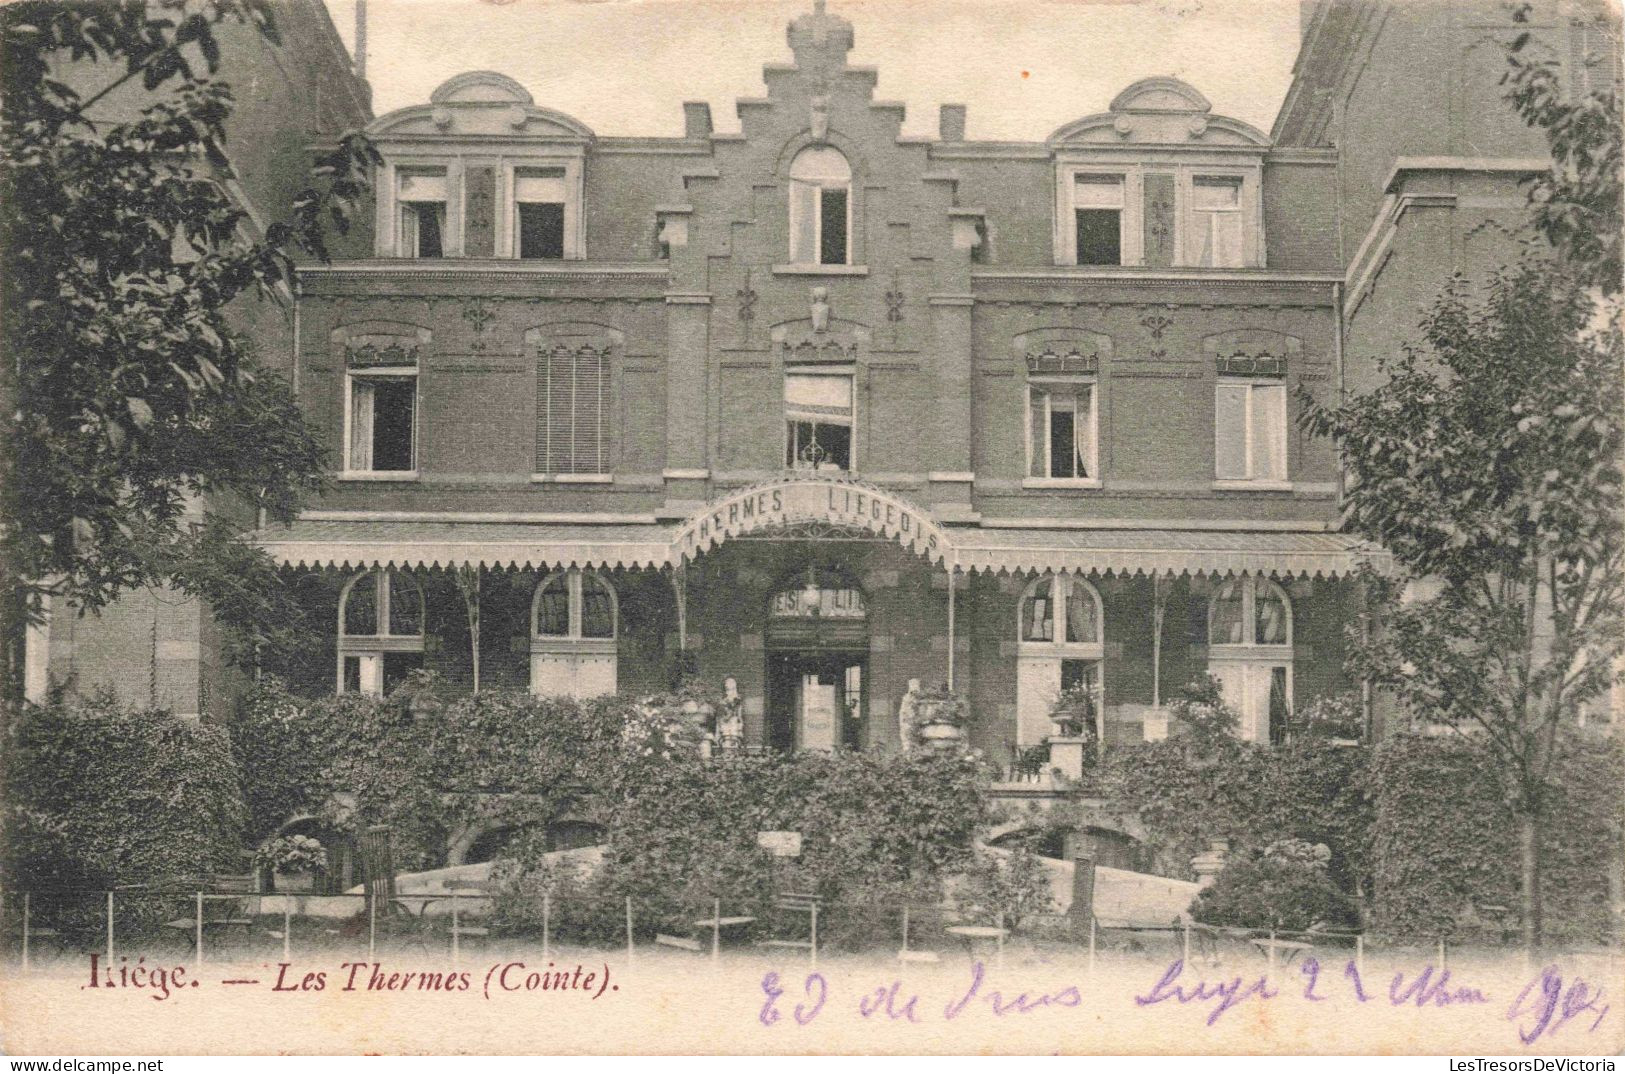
x=1271, y=616
x=1038, y=614
x=361, y=411
x=1269, y=432
x=1228, y=622
x=1081, y=621
x=803, y=222
x=553, y=608
x=1230, y=432
x=597, y=608
x=1216, y=230
x=405, y=606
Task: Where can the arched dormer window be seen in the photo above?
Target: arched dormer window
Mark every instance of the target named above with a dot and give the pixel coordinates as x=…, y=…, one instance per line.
x=820, y=207
x=574, y=624
x=1060, y=644
x=381, y=617
x=1250, y=654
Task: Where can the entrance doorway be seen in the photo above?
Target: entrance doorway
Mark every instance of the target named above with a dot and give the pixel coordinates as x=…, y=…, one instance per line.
x=817, y=663
x=815, y=701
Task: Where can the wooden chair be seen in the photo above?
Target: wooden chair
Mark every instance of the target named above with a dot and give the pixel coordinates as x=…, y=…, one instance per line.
x=798, y=902
x=458, y=930
x=227, y=904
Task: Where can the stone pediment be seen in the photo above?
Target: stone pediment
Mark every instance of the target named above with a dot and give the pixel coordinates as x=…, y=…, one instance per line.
x=481, y=103
x=1159, y=111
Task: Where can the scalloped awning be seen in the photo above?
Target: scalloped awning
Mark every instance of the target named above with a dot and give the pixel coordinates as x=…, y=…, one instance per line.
x=1164, y=552
x=361, y=543
x=366, y=542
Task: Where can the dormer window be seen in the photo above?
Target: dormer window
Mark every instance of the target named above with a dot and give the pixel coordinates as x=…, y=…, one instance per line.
x=1216, y=238
x=1098, y=218
x=420, y=197
x=820, y=207
x=539, y=198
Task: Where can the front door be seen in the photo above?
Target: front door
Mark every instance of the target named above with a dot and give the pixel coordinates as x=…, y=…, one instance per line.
x=815, y=701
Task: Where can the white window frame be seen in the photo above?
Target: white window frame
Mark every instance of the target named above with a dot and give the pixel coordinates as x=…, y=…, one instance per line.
x=800, y=257
x=847, y=371
x=1249, y=656
x=1092, y=455
x=1250, y=204
x=388, y=216
x=1132, y=166
x=1130, y=221
x=1284, y=482
x=1042, y=660
x=382, y=373
x=371, y=649
x=507, y=212
x=571, y=645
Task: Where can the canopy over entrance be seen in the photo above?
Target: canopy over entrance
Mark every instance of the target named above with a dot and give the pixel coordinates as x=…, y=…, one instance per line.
x=794, y=503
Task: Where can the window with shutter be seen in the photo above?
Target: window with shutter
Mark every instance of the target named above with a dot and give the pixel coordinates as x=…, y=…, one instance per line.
x=572, y=409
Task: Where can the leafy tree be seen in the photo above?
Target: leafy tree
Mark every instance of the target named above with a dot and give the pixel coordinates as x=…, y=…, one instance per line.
x=1488, y=464
x=127, y=396
x=1576, y=204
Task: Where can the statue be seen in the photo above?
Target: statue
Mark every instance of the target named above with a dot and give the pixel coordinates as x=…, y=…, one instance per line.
x=820, y=309
x=731, y=719
x=906, y=710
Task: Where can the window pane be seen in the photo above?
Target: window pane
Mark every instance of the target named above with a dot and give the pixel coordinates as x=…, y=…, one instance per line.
x=1227, y=619
x=352, y=675
x=1098, y=192
x=361, y=607
x=405, y=606
x=815, y=445
x=1081, y=622
x=394, y=401
x=832, y=219
x=1230, y=432
x=597, y=608
x=1063, y=450
x=1269, y=432
x=1280, y=706
x=803, y=222
x=1271, y=614
x=361, y=408
x=1038, y=614
x=553, y=608
x=1080, y=674
x=397, y=666
x=422, y=226
x=541, y=230
x=1099, y=242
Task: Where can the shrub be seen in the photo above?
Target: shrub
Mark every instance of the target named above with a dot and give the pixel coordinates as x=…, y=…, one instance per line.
x=1285, y=886
x=99, y=795
x=1003, y=888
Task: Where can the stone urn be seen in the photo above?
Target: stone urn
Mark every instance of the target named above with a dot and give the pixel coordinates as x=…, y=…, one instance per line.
x=1210, y=863
x=941, y=734
x=293, y=883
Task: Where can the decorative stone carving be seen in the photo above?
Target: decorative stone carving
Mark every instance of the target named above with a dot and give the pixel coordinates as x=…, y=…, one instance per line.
x=440, y=116
x=366, y=351
x=1256, y=365
x=820, y=310
x=1052, y=360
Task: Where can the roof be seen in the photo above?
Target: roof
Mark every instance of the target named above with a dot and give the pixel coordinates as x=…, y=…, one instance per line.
x=373, y=542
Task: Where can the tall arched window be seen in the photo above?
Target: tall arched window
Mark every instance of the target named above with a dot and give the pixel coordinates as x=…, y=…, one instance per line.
x=1249, y=633
x=574, y=623
x=820, y=207
x=1060, y=644
x=381, y=617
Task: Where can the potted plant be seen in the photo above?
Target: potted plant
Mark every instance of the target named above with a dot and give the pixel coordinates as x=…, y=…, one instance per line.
x=1073, y=713
x=294, y=861
x=940, y=717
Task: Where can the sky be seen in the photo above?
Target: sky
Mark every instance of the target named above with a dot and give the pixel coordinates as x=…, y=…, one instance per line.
x=1024, y=67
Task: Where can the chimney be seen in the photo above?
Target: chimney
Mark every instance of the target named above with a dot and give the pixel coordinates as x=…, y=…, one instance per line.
x=951, y=123
x=361, y=39
x=696, y=119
